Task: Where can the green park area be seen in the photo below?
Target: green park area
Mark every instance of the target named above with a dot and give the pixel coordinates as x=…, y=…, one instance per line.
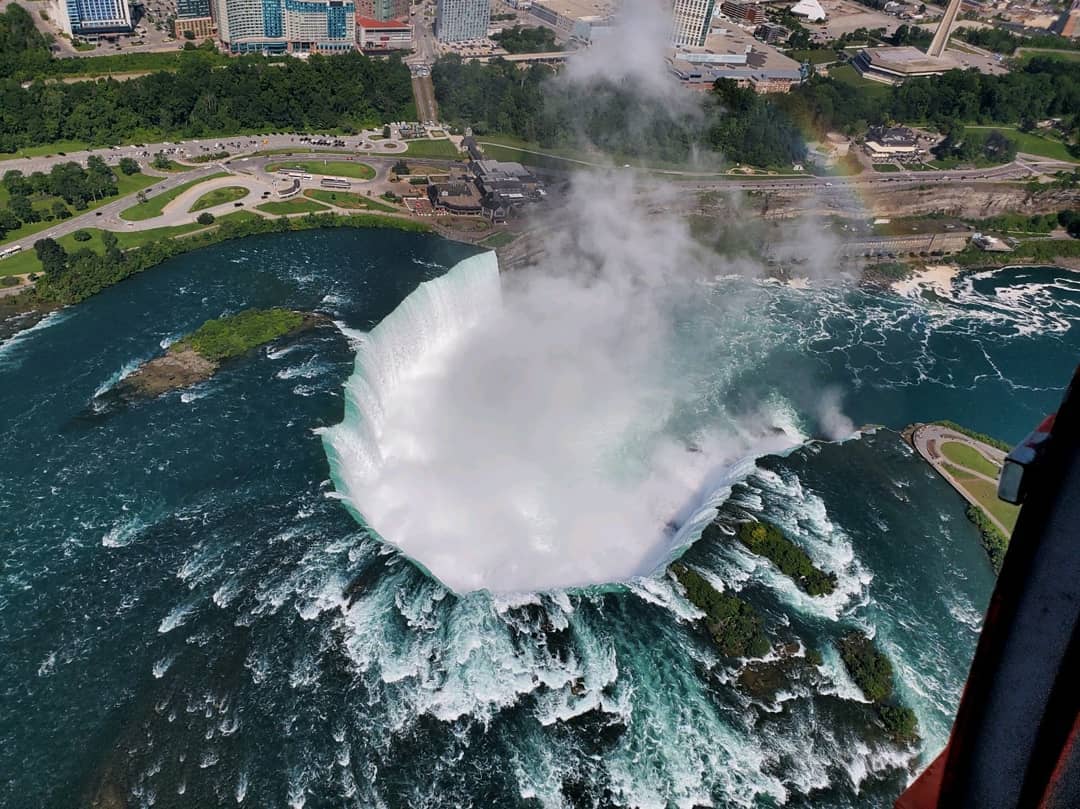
x=1034, y=143
x=156, y=204
x=333, y=168
x=967, y=456
x=345, y=199
x=290, y=206
x=49, y=208
x=26, y=261
x=58, y=148
x=433, y=148
x=219, y=196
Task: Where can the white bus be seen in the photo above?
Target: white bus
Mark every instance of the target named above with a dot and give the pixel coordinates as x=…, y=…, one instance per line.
x=10, y=251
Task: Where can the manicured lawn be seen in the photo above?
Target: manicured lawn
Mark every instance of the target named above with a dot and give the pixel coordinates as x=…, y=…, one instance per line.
x=849, y=75
x=887, y=168
x=219, y=196
x=433, y=148
x=1032, y=143
x=48, y=150
x=335, y=168
x=986, y=493
x=288, y=206
x=125, y=184
x=156, y=204
x=957, y=472
x=27, y=261
x=503, y=237
x=343, y=199
x=815, y=56
x=969, y=457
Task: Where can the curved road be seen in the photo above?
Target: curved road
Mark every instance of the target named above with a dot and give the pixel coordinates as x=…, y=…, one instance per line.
x=927, y=440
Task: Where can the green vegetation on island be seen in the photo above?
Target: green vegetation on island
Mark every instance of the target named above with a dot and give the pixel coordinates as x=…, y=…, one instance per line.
x=872, y=672
x=735, y=626
x=221, y=339
x=765, y=539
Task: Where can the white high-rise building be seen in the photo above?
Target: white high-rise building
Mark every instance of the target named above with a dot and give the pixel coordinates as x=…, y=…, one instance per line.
x=276, y=26
x=83, y=17
x=690, y=22
x=457, y=20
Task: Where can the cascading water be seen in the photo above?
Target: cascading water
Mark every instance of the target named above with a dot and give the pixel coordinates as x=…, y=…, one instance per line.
x=508, y=469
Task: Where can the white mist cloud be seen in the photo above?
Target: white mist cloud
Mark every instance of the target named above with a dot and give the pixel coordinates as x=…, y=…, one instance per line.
x=561, y=438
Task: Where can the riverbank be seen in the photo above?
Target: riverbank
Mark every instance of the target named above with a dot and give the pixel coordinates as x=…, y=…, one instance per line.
x=82, y=275
x=971, y=464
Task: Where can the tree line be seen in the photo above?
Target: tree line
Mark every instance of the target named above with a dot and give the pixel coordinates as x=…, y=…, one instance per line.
x=498, y=98
x=200, y=98
x=69, y=183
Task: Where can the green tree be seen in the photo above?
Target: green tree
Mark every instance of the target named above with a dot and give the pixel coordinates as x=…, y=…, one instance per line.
x=129, y=165
x=205, y=218
x=52, y=256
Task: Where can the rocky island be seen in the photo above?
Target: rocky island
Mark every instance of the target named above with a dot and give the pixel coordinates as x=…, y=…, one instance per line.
x=197, y=357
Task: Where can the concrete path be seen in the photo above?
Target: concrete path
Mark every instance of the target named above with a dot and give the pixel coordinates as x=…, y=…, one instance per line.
x=928, y=439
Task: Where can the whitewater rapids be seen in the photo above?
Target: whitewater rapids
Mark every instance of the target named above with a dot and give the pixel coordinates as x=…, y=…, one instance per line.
x=517, y=443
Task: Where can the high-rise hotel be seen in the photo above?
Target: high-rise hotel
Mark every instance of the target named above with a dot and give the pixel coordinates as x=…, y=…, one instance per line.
x=89, y=17
x=690, y=22
x=279, y=26
x=458, y=20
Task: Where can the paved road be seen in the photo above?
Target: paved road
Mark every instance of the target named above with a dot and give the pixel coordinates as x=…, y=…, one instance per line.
x=108, y=215
x=187, y=149
x=424, y=94
x=928, y=438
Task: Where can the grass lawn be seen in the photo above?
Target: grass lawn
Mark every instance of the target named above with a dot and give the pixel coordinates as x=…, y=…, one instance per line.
x=336, y=168
x=219, y=196
x=289, y=206
x=500, y=239
x=433, y=148
x=849, y=75
x=125, y=184
x=1031, y=143
x=887, y=168
x=815, y=56
x=1025, y=55
x=986, y=493
x=173, y=167
x=343, y=199
x=48, y=150
x=957, y=472
x=156, y=204
x=26, y=261
x=967, y=456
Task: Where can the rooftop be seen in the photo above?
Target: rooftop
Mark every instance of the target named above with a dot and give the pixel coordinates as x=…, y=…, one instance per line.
x=579, y=9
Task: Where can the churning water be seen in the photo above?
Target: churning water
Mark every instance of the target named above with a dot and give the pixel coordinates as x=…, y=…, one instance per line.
x=190, y=617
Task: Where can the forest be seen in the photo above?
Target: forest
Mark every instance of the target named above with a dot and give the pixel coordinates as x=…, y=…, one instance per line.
x=203, y=96
x=497, y=98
